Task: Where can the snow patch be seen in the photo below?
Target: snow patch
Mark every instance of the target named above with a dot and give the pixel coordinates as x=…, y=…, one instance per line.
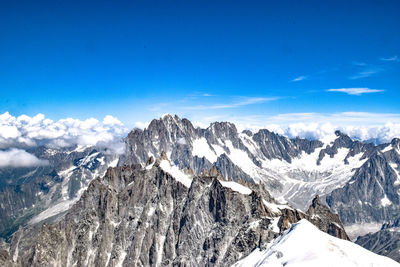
x=236, y=187
x=241, y=159
x=176, y=173
x=149, y=166
x=275, y=208
x=113, y=163
x=151, y=211
x=54, y=210
x=394, y=166
x=181, y=141
x=385, y=201
x=274, y=225
x=303, y=178
x=202, y=149
x=121, y=259
x=387, y=148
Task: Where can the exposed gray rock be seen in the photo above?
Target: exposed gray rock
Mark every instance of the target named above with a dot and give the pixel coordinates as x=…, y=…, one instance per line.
x=385, y=242
x=145, y=217
x=321, y=216
x=372, y=194
x=25, y=192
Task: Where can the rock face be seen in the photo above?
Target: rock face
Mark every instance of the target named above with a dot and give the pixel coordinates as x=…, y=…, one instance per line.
x=136, y=216
x=385, y=242
x=325, y=220
x=360, y=181
x=281, y=163
x=28, y=192
x=373, y=193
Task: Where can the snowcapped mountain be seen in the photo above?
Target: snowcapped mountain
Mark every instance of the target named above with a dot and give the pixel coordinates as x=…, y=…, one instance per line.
x=159, y=215
x=344, y=171
x=358, y=180
x=218, y=181
x=304, y=245
x=32, y=194
x=294, y=170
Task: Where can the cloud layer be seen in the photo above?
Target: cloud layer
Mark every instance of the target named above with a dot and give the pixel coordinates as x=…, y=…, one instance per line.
x=355, y=91
x=19, y=158
x=376, y=127
x=320, y=131
x=17, y=133
x=25, y=131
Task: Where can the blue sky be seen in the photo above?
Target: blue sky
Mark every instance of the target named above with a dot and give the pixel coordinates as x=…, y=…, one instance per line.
x=205, y=60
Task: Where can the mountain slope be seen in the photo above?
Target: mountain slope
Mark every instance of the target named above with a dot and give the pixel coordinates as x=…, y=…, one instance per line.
x=158, y=215
x=360, y=181
x=373, y=192
x=304, y=245
x=293, y=169
x=385, y=242
x=38, y=193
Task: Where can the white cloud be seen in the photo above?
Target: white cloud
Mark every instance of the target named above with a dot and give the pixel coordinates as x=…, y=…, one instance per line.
x=394, y=58
x=7, y=131
x=355, y=91
x=365, y=73
x=300, y=78
x=141, y=125
x=361, y=64
x=243, y=102
x=19, y=158
x=110, y=120
x=25, y=131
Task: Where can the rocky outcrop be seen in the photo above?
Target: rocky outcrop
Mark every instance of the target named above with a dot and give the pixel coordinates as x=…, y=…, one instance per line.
x=321, y=216
x=372, y=194
x=136, y=216
x=385, y=242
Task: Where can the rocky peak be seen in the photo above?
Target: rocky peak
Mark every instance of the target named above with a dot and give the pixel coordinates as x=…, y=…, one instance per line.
x=396, y=143
x=273, y=145
x=223, y=130
x=316, y=202
x=212, y=172
x=306, y=145
x=150, y=161
x=248, y=133
x=163, y=156
x=321, y=216
x=342, y=141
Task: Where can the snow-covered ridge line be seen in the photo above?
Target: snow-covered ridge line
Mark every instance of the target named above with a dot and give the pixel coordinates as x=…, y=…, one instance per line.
x=305, y=245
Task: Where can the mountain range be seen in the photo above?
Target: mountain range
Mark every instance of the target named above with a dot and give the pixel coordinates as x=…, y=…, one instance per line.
x=185, y=195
